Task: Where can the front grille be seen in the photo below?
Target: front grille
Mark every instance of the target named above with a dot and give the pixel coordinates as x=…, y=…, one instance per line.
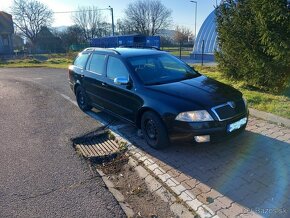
x=227, y=110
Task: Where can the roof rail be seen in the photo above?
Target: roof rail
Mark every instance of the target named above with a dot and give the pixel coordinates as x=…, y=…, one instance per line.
x=141, y=47
x=101, y=49
x=116, y=52
x=153, y=47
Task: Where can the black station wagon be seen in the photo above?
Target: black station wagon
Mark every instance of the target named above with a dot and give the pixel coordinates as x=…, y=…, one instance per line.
x=158, y=93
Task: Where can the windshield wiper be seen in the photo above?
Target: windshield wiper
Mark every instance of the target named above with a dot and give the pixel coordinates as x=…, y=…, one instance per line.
x=155, y=83
x=189, y=75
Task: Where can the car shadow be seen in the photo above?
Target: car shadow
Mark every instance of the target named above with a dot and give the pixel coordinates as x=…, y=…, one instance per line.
x=251, y=169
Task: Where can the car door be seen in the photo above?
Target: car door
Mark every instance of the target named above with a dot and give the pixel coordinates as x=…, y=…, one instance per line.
x=120, y=99
x=93, y=78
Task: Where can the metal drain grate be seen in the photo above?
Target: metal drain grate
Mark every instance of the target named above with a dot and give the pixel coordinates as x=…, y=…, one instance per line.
x=98, y=146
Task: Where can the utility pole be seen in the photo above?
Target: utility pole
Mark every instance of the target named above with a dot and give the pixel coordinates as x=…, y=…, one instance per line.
x=112, y=13
x=195, y=2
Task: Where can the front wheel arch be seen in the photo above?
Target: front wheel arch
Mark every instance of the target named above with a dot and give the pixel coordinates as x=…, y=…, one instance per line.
x=140, y=114
x=154, y=130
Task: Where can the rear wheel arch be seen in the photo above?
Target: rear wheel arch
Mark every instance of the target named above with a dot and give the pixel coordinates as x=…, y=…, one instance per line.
x=82, y=99
x=77, y=84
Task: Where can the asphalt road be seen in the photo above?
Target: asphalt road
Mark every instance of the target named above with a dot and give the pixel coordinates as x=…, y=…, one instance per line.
x=40, y=174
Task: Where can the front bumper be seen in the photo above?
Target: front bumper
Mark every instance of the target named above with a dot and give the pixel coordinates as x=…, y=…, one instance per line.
x=217, y=130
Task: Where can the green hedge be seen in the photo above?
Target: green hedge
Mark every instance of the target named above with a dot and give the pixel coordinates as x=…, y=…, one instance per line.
x=254, y=42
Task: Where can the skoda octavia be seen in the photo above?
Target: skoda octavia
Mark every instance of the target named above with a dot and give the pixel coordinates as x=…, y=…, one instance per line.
x=161, y=95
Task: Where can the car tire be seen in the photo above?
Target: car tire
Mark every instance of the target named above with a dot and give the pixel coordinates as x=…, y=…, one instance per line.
x=154, y=130
x=82, y=99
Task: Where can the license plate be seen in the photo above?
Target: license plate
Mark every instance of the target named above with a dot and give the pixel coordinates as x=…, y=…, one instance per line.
x=237, y=125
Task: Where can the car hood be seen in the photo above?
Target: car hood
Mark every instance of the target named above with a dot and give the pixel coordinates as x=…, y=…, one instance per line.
x=201, y=90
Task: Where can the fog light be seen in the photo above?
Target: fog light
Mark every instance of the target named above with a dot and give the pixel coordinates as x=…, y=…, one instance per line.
x=202, y=138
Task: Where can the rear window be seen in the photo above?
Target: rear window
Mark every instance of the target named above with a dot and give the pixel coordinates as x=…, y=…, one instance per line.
x=81, y=60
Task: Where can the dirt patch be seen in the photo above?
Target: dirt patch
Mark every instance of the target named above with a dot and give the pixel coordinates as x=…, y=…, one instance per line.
x=134, y=190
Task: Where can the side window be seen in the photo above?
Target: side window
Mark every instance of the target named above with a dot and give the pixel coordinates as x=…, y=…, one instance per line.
x=81, y=60
x=97, y=63
x=116, y=68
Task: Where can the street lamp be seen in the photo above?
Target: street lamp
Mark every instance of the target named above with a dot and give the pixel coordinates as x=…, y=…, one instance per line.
x=195, y=2
x=112, y=13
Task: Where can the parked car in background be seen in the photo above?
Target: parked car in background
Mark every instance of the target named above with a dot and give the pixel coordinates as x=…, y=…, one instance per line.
x=158, y=93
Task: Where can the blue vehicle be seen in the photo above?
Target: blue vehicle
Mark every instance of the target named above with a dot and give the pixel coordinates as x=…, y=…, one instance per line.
x=134, y=41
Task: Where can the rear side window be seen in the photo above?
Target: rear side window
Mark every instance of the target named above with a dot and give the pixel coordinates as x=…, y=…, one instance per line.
x=81, y=60
x=116, y=68
x=97, y=63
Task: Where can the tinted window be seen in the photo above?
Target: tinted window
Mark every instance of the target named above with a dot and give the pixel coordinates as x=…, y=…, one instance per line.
x=116, y=68
x=97, y=63
x=81, y=60
x=158, y=69
x=171, y=64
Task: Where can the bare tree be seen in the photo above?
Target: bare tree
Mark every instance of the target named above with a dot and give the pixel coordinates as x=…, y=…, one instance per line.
x=29, y=16
x=70, y=36
x=148, y=16
x=91, y=22
x=123, y=27
x=105, y=29
x=181, y=34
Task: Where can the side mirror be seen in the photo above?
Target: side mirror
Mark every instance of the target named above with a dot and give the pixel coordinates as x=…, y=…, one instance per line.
x=121, y=81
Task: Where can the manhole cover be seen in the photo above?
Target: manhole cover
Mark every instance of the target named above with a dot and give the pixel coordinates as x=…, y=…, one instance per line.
x=99, y=146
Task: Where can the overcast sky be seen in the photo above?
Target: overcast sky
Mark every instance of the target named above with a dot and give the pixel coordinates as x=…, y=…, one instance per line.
x=182, y=10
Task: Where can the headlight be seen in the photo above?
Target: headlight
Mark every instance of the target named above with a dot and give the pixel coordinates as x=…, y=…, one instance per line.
x=194, y=116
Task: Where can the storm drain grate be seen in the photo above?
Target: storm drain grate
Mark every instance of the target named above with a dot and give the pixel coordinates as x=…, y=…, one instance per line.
x=100, y=146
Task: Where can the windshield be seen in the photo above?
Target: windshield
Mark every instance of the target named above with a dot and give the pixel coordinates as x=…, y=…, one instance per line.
x=160, y=69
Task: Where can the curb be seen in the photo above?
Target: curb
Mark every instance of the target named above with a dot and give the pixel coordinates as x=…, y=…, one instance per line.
x=270, y=117
x=154, y=187
x=157, y=188
x=117, y=194
x=171, y=184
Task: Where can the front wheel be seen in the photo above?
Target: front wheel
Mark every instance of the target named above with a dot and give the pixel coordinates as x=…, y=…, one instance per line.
x=82, y=99
x=154, y=130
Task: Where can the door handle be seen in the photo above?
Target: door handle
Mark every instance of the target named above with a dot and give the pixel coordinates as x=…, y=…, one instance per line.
x=82, y=75
x=104, y=84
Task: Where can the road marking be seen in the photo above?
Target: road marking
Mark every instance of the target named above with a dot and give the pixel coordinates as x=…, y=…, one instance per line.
x=90, y=113
x=69, y=99
x=95, y=116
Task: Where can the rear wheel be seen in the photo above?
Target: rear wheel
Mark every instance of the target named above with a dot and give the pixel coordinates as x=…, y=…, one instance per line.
x=154, y=130
x=82, y=99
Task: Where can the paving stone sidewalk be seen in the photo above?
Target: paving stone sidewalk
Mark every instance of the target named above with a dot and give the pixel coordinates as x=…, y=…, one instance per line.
x=246, y=176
